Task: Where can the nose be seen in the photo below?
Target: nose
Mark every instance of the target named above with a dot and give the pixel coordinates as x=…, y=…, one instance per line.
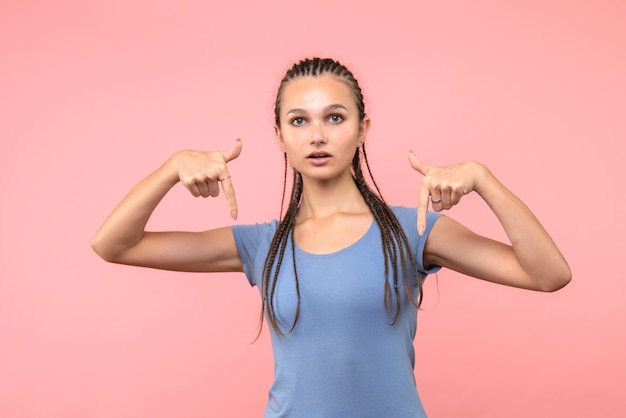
x=318, y=134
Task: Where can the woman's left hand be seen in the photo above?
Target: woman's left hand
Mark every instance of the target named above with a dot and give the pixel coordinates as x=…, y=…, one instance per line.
x=444, y=186
x=530, y=260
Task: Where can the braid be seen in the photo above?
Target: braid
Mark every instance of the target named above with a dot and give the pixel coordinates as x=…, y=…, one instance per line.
x=277, y=247
x=282, y=201
x=394, y=241
x=395, y=245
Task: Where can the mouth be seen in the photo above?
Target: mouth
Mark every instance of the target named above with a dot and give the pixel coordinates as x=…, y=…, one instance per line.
x=318, y=155
x=319, y=158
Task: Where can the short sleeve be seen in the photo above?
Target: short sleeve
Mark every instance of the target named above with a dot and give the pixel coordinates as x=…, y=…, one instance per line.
x=408, y=219
x=431, y=218
x=253, y=243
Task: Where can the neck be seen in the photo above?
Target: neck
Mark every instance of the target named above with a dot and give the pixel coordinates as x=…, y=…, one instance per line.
x=321, y=199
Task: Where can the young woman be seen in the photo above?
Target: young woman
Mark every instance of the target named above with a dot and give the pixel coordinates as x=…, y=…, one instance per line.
x=340, y=273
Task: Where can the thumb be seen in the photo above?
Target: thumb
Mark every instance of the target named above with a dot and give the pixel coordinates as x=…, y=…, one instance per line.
x=417, y=164
x=233, y=152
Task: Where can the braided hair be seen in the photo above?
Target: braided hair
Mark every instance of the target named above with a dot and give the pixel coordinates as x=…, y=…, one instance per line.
x=395, y=245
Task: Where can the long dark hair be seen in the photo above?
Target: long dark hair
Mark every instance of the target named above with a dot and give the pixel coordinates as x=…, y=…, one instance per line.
x=395, y=245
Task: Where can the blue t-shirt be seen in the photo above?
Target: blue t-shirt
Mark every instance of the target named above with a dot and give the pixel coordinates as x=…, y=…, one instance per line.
x=343, y=358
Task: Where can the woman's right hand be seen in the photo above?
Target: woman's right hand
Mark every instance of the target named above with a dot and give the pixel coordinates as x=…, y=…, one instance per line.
x=122, y=238
x=201, y=172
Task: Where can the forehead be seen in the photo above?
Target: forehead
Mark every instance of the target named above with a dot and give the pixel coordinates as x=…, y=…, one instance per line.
x=312, y=91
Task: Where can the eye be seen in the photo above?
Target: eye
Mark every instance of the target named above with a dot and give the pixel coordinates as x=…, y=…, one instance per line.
x=297, y=121
x=336, y=118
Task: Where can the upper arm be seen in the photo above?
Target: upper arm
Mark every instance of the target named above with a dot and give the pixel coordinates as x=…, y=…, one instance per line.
x=453, y=246
x=208, y=251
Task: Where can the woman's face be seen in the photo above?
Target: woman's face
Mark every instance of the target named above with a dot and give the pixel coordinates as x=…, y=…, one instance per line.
x=319, y=127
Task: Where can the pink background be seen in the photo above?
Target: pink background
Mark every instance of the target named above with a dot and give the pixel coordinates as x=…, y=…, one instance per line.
x=93, y=97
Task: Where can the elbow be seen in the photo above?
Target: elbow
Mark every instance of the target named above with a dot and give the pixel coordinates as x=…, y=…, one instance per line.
x=102, y=250
x=556, y=281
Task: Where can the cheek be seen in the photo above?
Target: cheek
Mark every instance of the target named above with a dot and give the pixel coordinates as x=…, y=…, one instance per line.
x=289, y=144
x=346, y=134
x=292, y=137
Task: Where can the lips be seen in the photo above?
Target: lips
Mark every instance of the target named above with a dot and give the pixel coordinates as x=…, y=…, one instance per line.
x=319, y=158
x=318, y=154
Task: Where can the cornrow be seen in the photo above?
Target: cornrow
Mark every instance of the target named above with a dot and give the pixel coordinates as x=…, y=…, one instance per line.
x=395, y=245
x=314, y=67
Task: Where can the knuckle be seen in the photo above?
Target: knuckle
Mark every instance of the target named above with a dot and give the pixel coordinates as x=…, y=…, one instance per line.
x=188, y=182
x=446, y=185
x=198, y=178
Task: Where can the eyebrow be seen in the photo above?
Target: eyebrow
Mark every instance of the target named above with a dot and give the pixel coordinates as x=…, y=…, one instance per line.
x=326, y=109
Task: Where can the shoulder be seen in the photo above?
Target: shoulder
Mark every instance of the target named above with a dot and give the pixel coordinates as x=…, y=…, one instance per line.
x=254, y=232
x=407, y=216
x=404, y=213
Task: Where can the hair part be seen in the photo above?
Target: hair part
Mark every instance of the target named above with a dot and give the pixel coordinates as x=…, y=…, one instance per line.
x=395, y=245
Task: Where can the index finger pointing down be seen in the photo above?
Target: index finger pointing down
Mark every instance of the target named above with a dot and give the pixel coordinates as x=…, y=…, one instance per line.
x=229, y=194
x=422, y=208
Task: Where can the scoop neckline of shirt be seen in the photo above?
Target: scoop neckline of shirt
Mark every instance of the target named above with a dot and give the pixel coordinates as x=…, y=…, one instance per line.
x=341, y=250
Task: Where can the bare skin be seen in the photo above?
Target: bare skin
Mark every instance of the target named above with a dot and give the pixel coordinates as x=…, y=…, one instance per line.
x=320, y=131
x=123, y=239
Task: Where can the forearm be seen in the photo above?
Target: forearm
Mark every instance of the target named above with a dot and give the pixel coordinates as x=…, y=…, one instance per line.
x=535, y=250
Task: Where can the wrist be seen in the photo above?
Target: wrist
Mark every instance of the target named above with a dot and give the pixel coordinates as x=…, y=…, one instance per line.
x=486, y=183
x=169, y=171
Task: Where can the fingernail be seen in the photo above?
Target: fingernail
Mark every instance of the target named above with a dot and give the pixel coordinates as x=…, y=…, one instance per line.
x=420, y=230
x=233, y=214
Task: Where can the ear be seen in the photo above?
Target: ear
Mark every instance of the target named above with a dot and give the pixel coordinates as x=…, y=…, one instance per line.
x=279, y=138
x=364, y=127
